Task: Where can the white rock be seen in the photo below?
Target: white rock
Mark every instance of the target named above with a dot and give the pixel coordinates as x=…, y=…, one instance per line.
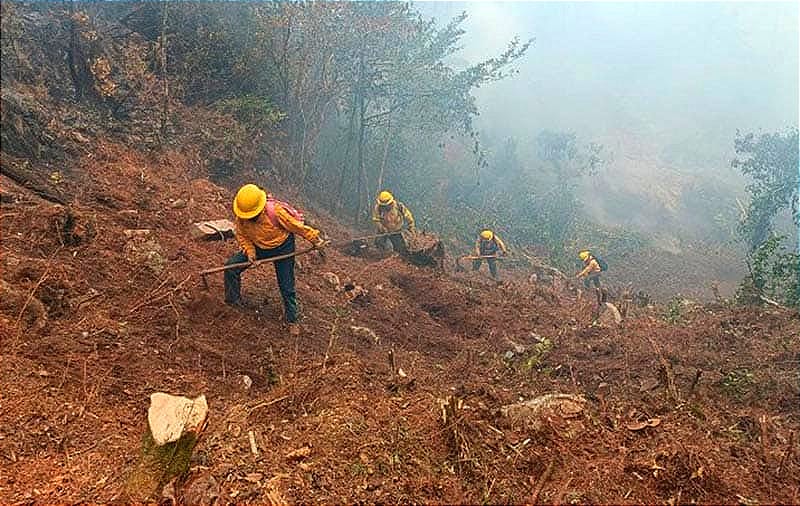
x=213, y=230
x=171, y=416
x=536, y=336
x=518, y=348
x=534, y=410
x=137, y=232
x=332, y=279
x=246, y=381
x=365, y=332
x=610, y=316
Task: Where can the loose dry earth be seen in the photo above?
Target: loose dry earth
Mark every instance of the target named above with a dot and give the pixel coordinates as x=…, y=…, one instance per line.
x=704, y=408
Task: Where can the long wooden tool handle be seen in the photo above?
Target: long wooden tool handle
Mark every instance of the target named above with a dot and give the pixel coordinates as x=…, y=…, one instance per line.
x=344, y=242
x=472, y=257
x=257, y=262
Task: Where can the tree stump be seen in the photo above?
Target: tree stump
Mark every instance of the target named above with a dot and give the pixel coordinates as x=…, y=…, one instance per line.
x=424, y=249
x=174, y=428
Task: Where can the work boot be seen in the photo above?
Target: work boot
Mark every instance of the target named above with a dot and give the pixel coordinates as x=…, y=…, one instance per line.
x=238, y=303
x=294, y=329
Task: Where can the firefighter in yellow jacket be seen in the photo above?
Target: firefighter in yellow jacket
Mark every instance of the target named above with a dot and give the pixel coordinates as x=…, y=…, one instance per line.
x=389, y=216
x=591, y=269
x=488, y=244
x=265, y=233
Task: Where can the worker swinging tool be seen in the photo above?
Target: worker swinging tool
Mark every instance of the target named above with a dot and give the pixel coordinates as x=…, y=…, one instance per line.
x=489, y=247
x=389, y=216
x=593, y=265
x=265, y=230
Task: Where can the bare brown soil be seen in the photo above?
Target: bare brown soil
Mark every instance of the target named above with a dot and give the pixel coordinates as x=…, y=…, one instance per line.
x=93, y=322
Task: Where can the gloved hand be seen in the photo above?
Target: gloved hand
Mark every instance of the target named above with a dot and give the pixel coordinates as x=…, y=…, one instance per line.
x=319, y=245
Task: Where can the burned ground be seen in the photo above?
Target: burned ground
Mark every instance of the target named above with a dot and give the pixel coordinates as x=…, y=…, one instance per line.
x=94, y=321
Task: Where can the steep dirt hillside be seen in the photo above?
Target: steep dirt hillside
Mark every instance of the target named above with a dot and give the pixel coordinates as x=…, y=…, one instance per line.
x=698, y=406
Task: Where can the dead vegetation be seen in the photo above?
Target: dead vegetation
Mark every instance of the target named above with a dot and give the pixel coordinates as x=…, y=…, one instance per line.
x=409, y=384
x=655, y=411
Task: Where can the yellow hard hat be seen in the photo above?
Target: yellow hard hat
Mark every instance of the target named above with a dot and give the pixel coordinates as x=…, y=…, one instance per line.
x=249, y=202
x=487, y=234
x=385, y=198
x=583, y=255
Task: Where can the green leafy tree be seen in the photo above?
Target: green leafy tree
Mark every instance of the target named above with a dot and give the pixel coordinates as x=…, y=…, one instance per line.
x=771, y=161
x=774, y=275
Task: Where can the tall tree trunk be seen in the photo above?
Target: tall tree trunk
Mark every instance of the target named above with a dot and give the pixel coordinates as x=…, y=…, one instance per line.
x=346, y=165
x=363, y=187
x=385, y=154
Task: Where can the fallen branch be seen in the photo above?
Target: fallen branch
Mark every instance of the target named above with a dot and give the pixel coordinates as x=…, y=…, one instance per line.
x=392, y=361
x=90, y=447
x=160, y=297
x=253, y=447
x=267, y=403
x=786, y=454
x=538, y=264
x=542, y=480
x=26, y=179
x=771, y=302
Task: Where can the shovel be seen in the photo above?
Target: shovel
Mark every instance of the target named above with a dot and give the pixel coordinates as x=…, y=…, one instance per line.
x=357, y=243
x=460, y=268
x=240, y=265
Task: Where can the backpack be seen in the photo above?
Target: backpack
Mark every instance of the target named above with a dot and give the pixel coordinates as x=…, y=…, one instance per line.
x=602, y=263
x=273, y=218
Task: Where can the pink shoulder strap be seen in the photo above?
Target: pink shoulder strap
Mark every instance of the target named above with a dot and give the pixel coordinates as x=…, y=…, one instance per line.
x=271, y=211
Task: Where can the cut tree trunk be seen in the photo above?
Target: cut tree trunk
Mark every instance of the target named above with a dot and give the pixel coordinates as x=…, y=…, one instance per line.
x=424, y=249
x=174, y=428
x=213, y=230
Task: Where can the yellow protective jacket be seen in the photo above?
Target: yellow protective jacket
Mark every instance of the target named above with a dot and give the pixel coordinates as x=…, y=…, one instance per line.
x=484, y=247
x=391, y=218
x=591, y=267
x=260, y=231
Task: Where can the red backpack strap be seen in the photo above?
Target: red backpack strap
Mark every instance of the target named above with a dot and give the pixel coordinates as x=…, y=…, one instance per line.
x=273, y=218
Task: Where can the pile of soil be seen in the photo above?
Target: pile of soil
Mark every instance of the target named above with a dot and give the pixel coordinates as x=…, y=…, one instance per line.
x=697, y=404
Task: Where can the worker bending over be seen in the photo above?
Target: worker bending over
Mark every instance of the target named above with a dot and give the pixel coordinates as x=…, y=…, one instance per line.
x=489, y=244
x=266, y=228
x=389, y=216
x=591, y=269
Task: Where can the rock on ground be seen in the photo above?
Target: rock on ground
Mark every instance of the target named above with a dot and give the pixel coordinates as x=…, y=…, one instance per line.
x=532, y=413
x=171, y=416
